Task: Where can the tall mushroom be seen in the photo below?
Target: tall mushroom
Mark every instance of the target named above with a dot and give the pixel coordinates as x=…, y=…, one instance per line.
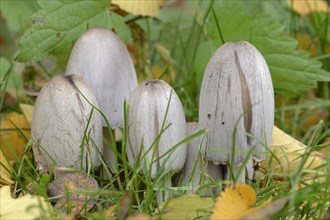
x=65, y=129
x=237, y=106
x=104, y=62
x=156, y=123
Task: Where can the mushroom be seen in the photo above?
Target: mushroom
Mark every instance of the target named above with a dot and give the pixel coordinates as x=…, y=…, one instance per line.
x=65, y=128
x=237, y=106
x=190, y=175
x=104, y=62
x=156, y=127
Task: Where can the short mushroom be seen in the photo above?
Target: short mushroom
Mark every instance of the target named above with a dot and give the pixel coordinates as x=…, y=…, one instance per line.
x=65, y=129
x=156, y=124
x=105, y=63
x=237, y=106
x=192, y=169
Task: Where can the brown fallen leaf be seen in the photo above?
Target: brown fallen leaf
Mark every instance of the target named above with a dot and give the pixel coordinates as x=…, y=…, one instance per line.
x=73, y=202
x=12, y=140
x=125, y=204
x=26, y=207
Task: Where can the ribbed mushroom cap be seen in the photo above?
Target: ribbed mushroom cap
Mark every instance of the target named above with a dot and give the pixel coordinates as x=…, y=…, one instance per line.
x=105, y=64
x=61, y=119
x=237, y=92
x=147, y=108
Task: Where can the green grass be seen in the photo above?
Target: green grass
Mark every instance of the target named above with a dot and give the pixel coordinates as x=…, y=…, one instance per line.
x=132, y=191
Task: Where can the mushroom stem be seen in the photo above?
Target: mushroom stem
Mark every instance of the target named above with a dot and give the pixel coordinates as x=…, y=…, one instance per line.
x=212, y=174
x=237, y=174
x=108, y=153
x=163, y=195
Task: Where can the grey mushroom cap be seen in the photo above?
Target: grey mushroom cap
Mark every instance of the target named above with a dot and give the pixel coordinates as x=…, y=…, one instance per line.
x=147, y=107
x=63, y=128
x=102, y=59
x=237, y=92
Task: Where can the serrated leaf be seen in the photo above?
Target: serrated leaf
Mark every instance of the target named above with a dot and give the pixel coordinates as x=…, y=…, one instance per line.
x=59, y=23
x=292, y=70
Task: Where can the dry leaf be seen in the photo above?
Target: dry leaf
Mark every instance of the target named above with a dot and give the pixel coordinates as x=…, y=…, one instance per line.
x=140, y=7
x=5, y=176
x=11, y=139
x=290, y=153
x=26, y=207
x=184, y=207
x=110, y=212
x=304, y=7
x=266, y=210
x=234, y=202
x=66, y=181
x=138, y=216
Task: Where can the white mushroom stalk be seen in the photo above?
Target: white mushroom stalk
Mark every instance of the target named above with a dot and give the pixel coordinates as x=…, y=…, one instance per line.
x=66, y=131
x=236, y=103
x=104, y=62
x=156, y=123
x=190, y=175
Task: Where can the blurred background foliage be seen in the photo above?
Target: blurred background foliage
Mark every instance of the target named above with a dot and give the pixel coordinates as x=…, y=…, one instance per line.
x=37, y=36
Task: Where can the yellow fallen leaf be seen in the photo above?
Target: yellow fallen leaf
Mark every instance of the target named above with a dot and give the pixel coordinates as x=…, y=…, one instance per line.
x=234, y=202
x=304, y=7
x=11, y=139
x=184, y=207
x=140, y=7
x=26, y=207
x=289, y=154
x=27, y=111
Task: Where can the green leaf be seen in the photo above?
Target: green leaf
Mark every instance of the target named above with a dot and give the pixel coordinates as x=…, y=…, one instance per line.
x=185, y=207
x=60, y=22
x=292, y=70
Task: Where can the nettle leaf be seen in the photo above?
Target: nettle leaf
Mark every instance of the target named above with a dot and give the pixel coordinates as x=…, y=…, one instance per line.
x=60, y=22
x=292, y=70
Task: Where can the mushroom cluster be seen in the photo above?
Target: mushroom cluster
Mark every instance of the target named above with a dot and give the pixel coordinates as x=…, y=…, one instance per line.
x=236, y=109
